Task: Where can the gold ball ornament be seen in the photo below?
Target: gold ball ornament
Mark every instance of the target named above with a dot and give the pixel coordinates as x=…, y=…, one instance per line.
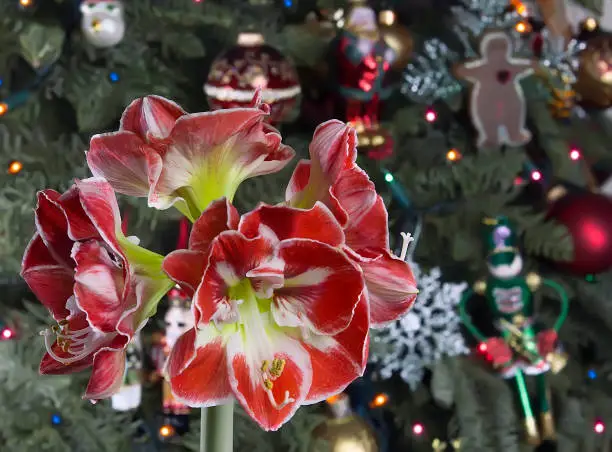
x=347, y=434
x=594, y=79
x=397, y=37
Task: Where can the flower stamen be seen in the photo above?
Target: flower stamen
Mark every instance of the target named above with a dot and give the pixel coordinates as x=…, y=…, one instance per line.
x=77, y=344
x=271, y=373
x=407, y=240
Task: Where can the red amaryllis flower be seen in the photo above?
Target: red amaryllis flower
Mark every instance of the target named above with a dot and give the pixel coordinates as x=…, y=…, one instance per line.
x=98, y=285
x=281, y=320
x=333, y=177
x=186, y=160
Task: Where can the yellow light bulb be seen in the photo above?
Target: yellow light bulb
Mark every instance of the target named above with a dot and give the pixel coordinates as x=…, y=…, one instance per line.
x=3, y=108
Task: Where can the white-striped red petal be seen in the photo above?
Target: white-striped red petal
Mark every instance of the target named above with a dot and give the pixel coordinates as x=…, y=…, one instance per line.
x=340, y=359
x=270, y=398
x=321, y=290
x=197, y=368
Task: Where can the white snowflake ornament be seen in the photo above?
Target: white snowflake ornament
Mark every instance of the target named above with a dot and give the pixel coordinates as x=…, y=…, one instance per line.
x=429, y=331
x=102, y=22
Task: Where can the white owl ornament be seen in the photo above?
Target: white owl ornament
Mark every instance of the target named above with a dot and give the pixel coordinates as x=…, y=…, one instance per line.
x=102, y=22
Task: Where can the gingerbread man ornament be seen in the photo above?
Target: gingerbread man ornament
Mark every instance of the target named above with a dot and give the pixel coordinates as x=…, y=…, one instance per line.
x=497, y=102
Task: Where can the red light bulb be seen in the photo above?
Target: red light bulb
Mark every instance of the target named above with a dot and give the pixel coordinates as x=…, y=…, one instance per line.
x=574, y=154
x=430, y=116
x=418, y=429
x=482, y=348
x=599, y=427
x=536, y=175
x=7, y=333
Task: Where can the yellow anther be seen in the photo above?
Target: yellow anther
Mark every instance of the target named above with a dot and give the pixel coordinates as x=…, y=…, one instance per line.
x=63, y=322
x=55, y=328
x=264, y=366
x=278, y=365
x=268, y=384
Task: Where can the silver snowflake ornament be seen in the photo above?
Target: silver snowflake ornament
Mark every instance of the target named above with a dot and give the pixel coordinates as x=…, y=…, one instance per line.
x=428, y=332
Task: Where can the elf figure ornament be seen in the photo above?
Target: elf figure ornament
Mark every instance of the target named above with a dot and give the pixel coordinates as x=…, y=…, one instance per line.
x=363, y=59
x=178, y=320
x=520, y=349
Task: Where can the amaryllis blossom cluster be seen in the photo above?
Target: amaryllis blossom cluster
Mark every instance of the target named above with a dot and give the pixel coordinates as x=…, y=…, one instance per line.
x=283, y=296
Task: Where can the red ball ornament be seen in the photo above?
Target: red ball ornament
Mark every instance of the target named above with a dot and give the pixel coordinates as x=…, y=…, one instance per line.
x=252, y=64
x=588, y=217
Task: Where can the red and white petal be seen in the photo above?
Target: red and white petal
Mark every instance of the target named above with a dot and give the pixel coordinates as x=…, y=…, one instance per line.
x=99, y=284
x=186, y=268
x=213, y=152
x=197, y=369
x=50, y=366
x=299, y=180
x=151, y=116
x=100, y=203
x=219, y=216
x=267, y=277
x=51, y=282
x=317, y=223
x=278, y=155
x=107, y=374
x=232, y=256
x=80, y=227
x=367, y=225
x=390, y=285
x=272, y=405
x=322, y=287
x=332, y=150
x=297, y=195
x=124, y=160
x=52, y=226
x=340, y=359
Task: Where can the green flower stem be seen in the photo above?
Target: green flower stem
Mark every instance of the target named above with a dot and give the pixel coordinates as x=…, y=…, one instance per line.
x=217, y=434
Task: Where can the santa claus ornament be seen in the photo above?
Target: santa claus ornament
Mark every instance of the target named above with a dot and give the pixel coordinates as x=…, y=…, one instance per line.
x=129, y=396
x=178, y=320
x=363, y=59
x=249, y=65
x=103, y=22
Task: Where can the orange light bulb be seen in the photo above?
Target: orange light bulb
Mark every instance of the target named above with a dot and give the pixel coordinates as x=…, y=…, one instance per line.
x=166, y=430
x=15, y=167
x=521, y=27
x=3, y=108
x=379, y=400
x=453, y=155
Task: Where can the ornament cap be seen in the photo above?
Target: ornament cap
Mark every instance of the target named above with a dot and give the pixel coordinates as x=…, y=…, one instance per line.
x=250, y=39
x=501, y=241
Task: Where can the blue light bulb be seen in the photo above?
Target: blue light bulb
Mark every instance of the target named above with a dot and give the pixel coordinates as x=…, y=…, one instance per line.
x=114, y=77
x=56, y=419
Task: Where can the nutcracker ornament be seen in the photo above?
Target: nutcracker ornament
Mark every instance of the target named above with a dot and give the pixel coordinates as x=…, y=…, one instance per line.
x=102, y=22
x=520, y=349
x=178, y=320
x=363, y=60
x=129, y=396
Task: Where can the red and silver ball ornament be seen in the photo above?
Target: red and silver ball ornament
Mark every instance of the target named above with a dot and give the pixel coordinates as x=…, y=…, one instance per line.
x=588, y=218
x=247, y=66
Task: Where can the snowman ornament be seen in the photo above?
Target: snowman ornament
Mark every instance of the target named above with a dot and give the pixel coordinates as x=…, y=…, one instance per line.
x=103, y=22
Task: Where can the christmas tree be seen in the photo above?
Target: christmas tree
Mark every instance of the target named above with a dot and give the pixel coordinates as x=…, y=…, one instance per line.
x=484, y=125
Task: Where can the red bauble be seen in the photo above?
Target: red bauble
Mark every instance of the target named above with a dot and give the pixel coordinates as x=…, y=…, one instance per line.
x=252, y=64
x=588, y=217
